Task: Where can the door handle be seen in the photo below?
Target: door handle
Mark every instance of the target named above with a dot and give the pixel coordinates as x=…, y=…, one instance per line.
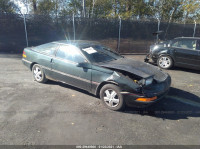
x=51, y=61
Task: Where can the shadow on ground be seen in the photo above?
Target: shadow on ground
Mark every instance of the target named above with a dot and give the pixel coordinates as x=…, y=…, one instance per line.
x=186, y=70
x=178, y=104
x=69, y=86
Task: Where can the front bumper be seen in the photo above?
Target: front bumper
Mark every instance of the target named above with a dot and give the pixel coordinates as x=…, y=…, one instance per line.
x=159, y=90
x=150, y=58
x=147, y=58
x=130, y=100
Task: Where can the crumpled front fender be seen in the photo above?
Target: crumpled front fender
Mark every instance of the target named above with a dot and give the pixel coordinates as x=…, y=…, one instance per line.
x=125, y=83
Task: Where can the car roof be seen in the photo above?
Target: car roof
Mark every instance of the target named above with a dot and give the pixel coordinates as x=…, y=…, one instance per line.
x=195, y=38
x=78, y=43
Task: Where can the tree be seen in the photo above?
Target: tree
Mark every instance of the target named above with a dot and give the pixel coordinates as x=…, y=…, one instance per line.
x=141, y=8
x=46, y=7
x=34, y=5
x=71, y=7
x=31, y=5
x=191, y=10
x=103, y=9
x=7, y=6
x=166, y=10
x=25, y=4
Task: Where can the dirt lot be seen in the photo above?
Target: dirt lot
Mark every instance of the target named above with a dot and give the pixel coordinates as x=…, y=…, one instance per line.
x=55, y=113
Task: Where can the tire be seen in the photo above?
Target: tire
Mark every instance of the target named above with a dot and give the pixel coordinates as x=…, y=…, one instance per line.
x=165, y=62
x=38, y=74
x=115, y=103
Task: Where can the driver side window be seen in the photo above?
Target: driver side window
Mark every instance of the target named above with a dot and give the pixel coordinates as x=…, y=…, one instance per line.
x=185, y=44
x=70, y=53
x=175, y=43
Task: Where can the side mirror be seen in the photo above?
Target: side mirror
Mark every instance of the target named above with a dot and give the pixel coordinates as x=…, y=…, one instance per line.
x=84, y=65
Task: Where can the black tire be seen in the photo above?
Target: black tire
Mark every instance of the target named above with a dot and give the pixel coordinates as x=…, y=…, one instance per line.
x=38, y=74
x=165, y=62
x=112, y=100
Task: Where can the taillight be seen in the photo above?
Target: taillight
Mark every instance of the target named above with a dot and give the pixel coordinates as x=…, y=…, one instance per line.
x=24, y=54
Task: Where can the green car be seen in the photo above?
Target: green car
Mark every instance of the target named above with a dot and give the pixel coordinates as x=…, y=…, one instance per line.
x=117, y=80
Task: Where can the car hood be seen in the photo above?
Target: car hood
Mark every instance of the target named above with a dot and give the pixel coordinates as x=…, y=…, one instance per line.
x=163, y=43
x=138, y=68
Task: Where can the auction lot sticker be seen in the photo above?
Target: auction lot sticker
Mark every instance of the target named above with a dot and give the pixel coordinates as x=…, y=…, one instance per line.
x=89, y=50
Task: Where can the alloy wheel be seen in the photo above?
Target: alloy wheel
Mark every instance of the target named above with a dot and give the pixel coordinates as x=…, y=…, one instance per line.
x=111, y=98
x=37, y=73
x=164, y=62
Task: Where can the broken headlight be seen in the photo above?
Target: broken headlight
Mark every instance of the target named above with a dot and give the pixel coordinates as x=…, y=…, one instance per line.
x=146, y=81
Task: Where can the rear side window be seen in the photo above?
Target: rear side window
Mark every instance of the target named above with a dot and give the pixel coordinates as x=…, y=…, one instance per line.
x=70, y=53
x=48, y=48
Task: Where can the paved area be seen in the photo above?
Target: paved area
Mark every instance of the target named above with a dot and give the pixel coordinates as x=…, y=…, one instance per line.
x=55, y=113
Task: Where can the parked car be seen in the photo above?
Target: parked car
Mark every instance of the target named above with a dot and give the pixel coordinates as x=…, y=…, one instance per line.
x=118, y=81
x=182, y=51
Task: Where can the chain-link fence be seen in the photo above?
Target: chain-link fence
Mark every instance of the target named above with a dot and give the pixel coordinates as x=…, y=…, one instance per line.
x=135, y=35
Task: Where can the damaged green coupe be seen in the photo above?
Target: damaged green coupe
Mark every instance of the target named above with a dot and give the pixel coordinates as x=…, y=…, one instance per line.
x=118, y=81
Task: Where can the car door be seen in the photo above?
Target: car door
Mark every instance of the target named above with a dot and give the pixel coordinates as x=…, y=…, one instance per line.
x=45, y=53
x=185, y=52
x=65, y=67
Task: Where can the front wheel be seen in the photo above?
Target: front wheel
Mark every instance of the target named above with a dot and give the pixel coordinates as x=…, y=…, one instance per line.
x=38, y=74
x=165, y=62
x=112, y=98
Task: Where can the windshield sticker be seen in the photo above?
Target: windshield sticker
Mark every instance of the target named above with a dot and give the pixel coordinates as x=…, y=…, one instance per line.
x=89, y=50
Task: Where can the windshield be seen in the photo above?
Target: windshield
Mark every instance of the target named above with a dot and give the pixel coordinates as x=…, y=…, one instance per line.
x=97, y=53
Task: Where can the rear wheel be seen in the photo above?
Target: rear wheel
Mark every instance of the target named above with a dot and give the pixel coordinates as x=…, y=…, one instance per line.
x=112, y=98
x=38, y=74
x=165, y=62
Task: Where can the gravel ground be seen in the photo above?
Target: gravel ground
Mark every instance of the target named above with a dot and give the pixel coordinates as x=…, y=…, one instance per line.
x=58, y=114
